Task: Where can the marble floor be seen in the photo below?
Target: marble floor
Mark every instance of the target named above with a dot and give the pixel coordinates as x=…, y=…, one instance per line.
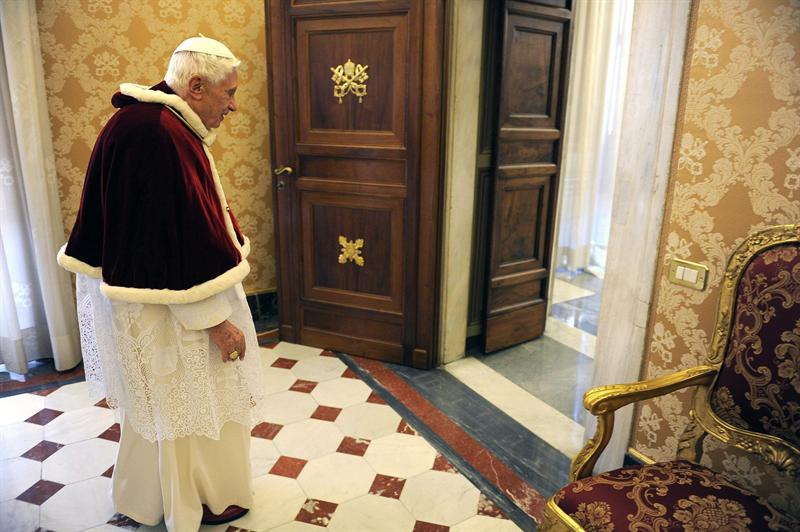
x=526, y=402
x=352, y=444
x=337, y=452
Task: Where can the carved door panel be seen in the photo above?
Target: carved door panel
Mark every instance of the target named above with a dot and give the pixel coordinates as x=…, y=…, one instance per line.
x=356, y=217
x=532, y=93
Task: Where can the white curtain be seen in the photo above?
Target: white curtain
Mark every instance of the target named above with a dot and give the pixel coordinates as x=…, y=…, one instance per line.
x=597, y=87
x=37, y=310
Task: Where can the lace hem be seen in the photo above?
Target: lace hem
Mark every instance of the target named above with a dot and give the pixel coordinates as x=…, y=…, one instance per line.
x=170, y=381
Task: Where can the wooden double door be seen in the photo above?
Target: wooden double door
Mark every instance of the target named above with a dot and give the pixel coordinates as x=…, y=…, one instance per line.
x=356, y=91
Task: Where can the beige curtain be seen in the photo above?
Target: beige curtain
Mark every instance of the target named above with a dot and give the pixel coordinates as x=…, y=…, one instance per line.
x=596, y=90
x=37, y=312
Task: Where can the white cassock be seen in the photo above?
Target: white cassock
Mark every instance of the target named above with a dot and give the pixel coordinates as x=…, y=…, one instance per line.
x=187, y=415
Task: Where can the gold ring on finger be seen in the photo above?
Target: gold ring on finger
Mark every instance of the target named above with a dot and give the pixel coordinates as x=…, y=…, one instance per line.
x=234, y=355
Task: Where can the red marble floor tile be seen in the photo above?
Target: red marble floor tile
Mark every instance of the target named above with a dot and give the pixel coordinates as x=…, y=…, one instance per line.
x=326, y=413
x=303, y=386
x=45, y=392
x=328, y=353
x=376, y=399
x=102, y=403
x=350, y=374
x=316, y=512
x=422, y=526
x=265, y=430
x=355, y=446
x=487, y=507
x=42, y=451
x=112, y=433
x=286, y=466
x=40, y=492
x=442, y=464
x=285, y=363
x=386, y=486
x=123, y=521
x=44, y=416
x=108, y=472
x=405, y=428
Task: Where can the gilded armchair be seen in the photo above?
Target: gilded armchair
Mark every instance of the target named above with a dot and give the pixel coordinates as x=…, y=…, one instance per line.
x=747, y=395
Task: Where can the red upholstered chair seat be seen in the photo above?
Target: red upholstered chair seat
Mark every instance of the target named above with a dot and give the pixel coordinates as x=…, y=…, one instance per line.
x=677, y=495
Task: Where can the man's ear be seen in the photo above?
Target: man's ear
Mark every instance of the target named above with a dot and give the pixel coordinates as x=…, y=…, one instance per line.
x=197, y=87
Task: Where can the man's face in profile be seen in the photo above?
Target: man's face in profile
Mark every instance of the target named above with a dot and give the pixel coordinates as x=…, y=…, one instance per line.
x=216, y=100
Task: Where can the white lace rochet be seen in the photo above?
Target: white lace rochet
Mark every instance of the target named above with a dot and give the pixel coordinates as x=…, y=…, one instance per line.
x=170, y=381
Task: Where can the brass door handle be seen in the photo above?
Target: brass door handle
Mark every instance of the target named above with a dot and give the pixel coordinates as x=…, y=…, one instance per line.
x=283, y=170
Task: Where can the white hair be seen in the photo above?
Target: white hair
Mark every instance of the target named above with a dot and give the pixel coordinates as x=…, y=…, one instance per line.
x=184, y=65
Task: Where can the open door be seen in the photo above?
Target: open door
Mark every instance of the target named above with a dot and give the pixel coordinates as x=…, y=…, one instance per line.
x=532, y=93
x=355, y=103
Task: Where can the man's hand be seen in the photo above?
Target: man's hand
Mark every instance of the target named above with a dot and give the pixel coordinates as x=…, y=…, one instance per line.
x=229, y=339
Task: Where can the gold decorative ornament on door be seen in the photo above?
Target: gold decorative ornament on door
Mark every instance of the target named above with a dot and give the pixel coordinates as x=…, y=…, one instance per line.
x=351, y=250
x=350, y=77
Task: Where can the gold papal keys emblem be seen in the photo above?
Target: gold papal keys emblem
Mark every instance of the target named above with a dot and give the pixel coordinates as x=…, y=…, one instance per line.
x=350, y=77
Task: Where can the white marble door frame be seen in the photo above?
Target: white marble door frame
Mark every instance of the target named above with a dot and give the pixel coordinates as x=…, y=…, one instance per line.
x=655, y=66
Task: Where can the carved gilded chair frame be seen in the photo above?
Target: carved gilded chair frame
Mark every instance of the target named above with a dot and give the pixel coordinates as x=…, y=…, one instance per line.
x=605, y=400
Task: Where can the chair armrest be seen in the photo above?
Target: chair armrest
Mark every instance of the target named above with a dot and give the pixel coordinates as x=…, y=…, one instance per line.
x=603, y=401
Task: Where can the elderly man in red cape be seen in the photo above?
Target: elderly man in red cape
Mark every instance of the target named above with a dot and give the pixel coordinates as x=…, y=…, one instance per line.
x=165, y=327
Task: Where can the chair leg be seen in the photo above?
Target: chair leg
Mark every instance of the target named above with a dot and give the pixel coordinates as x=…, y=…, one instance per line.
x=690, y=445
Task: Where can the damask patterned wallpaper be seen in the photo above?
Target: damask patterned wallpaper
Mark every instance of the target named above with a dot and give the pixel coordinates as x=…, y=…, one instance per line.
x=89, y=47
x=736, y=170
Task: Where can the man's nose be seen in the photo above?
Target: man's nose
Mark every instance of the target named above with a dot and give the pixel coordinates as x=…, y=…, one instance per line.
x=232, y=105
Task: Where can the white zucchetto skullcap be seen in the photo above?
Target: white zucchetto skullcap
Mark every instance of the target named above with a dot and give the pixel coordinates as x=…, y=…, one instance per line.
x=204, y=45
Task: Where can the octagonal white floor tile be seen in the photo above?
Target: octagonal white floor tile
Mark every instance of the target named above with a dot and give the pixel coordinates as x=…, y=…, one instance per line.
x=70, y=397
x=319, y=368
x=296, y=351
x=20, y=407
x=79, y=425
x=18, y=438
x=18, y=516
x=336, y=477
x=276, y=501
x=369, y=421
x=310, y=438
x=268, y=356
x=287, y=407
x=277, y=379
x=296, y=526
x=372, y=512
x=160, y=527
x=400, y=455
x=341, y=392
x=17, y=475
x=440, y=497
x=482, y=523
x=263, y=455
x=79, y=506
x=80, y=461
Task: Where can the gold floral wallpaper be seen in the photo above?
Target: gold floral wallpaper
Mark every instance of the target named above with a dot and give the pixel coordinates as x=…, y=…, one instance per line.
x=736, y=169
x=89, y=47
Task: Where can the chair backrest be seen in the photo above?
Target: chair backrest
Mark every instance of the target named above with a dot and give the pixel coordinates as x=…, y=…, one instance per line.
x=754, y=403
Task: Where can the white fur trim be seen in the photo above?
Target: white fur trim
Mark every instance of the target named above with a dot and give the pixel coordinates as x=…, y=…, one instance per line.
x=143, y=94
x=77, y=266
x=178, y=297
